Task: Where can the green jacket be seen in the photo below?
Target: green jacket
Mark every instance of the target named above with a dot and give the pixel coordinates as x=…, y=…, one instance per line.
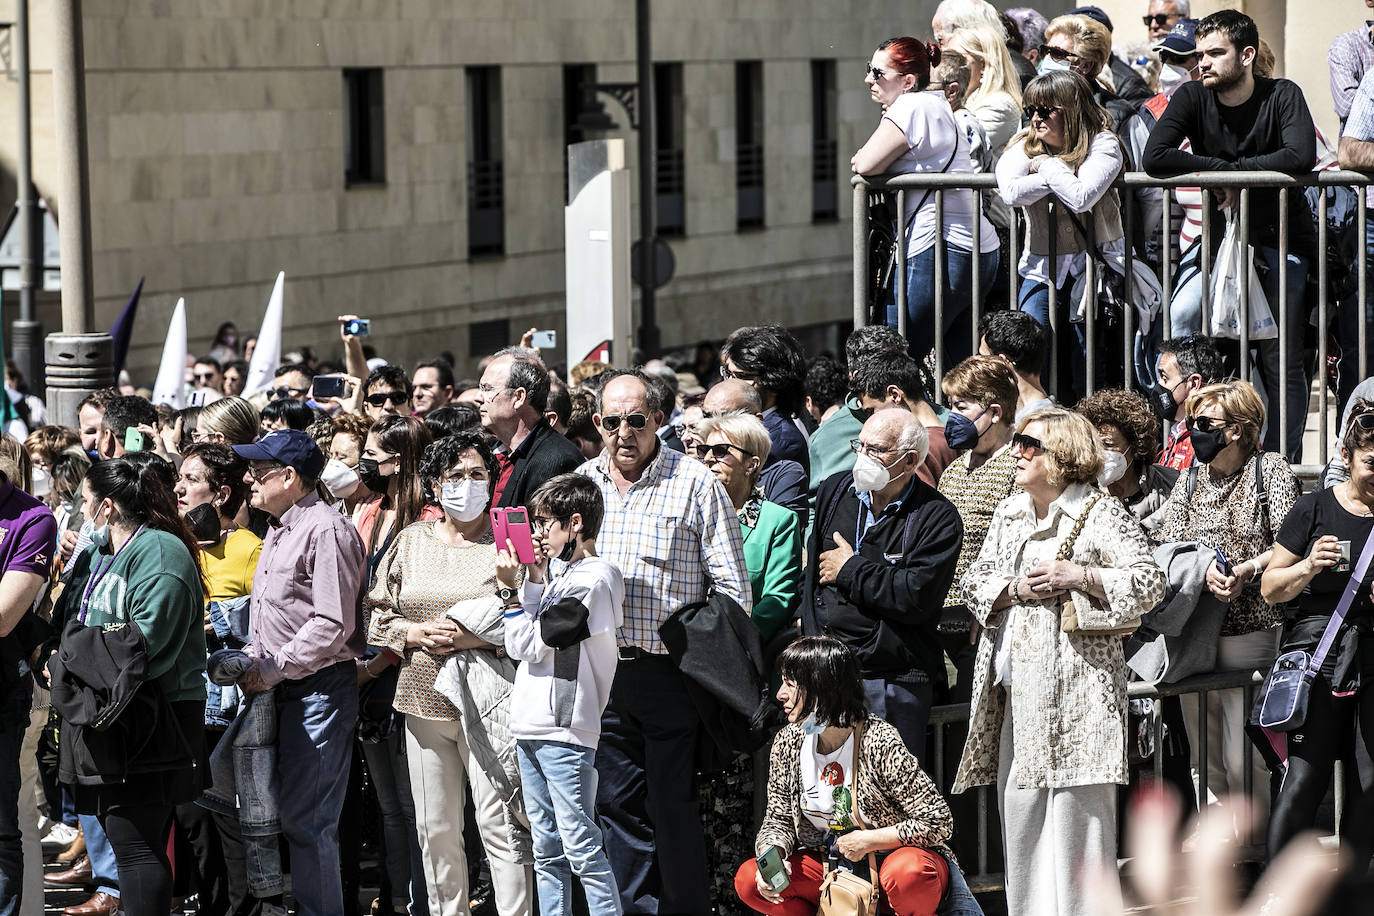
x=772, y=554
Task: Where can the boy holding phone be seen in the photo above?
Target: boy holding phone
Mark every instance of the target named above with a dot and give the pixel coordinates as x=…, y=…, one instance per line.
x=562, y=626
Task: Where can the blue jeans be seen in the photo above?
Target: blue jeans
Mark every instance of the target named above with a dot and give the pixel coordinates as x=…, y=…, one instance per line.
x=957, y=333
x=315, y=721
x=1293, y=387
x=386, y=764
x=958, y=900
x=103, y=865
x=1034, y=300
x=904, y=703
x=244, y=786
x=559, y=784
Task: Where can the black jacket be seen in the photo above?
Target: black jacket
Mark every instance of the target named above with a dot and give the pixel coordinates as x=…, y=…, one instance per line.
x=889, y=596
x=543, y=454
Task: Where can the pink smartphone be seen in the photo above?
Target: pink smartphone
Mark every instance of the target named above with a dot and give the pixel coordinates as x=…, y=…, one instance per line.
x=513, y=524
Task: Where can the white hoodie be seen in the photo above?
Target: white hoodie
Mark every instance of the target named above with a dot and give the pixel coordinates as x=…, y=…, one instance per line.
x=564, y=634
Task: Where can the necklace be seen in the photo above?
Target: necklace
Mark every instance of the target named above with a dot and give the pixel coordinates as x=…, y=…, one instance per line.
x=1363, y=508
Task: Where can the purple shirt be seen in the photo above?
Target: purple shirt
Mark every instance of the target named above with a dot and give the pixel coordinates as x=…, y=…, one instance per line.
x=306, y=608
x=28, y=532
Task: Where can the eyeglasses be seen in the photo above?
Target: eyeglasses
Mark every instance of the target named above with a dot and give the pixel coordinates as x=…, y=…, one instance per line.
x=719, y=451
x=742, y=376
x=204, y=376
x=492, y=390
x=381, y=397
x=1021, y=443
x=876, y=72
x=260, y=473
x=282, y=393
x=859, y=447
x=461, y=476
x=635, y=421
x=1058, y=54
x=1043, y=112
x=1362, y=415
x=541, y=524
x=1159, y=19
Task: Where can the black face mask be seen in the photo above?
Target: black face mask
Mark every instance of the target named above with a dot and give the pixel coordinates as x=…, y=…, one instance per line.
x=371, y=477
x=1207, y=445
x=203, y=521
x=1162, y=401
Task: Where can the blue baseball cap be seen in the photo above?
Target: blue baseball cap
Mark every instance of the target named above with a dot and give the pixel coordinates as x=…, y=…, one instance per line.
x=1092, y=12
x=291, y=447
x=1180, y=39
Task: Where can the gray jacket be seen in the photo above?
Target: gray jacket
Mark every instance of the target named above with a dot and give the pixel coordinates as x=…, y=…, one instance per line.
x=1182, y=632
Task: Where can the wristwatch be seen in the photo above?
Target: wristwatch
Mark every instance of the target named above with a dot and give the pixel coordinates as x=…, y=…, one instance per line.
x=507, y=595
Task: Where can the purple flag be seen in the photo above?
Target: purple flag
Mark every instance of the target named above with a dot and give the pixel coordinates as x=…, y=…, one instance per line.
x=123, y=329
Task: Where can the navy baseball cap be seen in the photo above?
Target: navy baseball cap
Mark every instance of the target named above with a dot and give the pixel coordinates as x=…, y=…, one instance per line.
x=291, y=447
x=1092, y=12
x=1180, y=39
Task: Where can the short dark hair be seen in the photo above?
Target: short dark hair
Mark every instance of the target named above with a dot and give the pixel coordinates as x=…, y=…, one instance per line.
x=527, y=371
x=444, y=453
x=1015, y=335
x=302, y=368
x=826, y=383
x=1238, y=28
x=441, y=368
x=100, y=400
x=209, y=361
x=560, y=402
x=223, y=468
x=774, y=357
x=565, y=494
x=828, y=675
x=873, y=375
x=295, y=414
x=394, y=376
x=1198, y=356
x=652, y=399
x=240, y=364
x=126, y=411
x=872, y=340
x=452, y=418
x=1355, y=437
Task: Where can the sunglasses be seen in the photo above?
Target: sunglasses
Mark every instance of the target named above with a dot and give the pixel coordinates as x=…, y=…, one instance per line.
x=280, y=393
x=1021, y=443
x=876, y=72
x=1043, y=112
x=381, y=397
x=1206, y=424
x=635, y=421
x=1159, y=19
x=1058, y=54
x=1363, y=415
x=719, y=451
x=204, y=376
x=1179, y=59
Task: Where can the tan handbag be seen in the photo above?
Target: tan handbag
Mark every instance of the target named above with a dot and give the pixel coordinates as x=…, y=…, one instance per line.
x=844, y=893
x=1068, y=612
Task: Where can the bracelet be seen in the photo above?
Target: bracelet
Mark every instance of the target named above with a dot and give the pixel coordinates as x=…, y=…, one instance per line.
x=1016, y=591
x=1087, y=582
x=367, y=666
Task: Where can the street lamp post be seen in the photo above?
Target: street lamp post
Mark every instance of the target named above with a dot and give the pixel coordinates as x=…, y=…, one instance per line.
x=26, y=332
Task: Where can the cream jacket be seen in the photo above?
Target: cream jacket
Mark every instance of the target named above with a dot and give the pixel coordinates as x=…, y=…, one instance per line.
x=1068, y=690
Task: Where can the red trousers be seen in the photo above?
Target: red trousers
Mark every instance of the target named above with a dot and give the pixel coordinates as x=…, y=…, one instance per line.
x=913, y=880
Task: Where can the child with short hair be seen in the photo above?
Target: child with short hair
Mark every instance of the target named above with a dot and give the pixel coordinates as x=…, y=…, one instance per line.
x=563, y=629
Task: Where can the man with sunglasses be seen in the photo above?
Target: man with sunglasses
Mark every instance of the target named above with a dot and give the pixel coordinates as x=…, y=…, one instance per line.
x=386, y=393
x=208, y=375
x=670, y=528
x=514, y=395
x=291, y=380
x=1162, y=15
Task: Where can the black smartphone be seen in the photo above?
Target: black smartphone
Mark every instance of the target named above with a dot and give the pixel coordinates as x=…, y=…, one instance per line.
x=330, y=386
x=1223, y=564
x=358, y=327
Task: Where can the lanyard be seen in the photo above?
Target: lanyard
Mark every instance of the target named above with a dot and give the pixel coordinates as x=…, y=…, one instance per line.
x=99, y=573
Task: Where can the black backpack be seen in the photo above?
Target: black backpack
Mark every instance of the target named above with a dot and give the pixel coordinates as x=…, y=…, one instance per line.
x=1343, y=240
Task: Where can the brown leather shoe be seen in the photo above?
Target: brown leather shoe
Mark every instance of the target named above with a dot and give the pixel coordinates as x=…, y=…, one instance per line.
x=79, y=875
x=100, y=904
x=73, y=852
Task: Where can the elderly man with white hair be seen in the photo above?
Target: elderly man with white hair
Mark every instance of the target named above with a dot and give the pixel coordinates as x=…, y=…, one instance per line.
x=963, y=14
x=880, y=561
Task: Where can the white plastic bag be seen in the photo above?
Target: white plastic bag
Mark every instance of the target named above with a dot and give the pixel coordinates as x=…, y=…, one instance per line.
x=1236, y=260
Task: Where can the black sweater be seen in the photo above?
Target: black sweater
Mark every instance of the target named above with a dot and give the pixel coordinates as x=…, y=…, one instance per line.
x=1272, y=130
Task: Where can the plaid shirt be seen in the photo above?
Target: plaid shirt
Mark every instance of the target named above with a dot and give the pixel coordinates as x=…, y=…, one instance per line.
x=1350, y=58
x=673, y=532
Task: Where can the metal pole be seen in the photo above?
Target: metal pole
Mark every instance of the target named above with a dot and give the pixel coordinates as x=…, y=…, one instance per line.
x=1361, y=220
x=976, y=270
x=941, y=269
x=73, y=168
x=1323, y=270
x=1281, y=391
x=899, y=268
x=1053, y=330
x=648, y=223
x=860, y=207
x=1243, y=325
x=26, y=334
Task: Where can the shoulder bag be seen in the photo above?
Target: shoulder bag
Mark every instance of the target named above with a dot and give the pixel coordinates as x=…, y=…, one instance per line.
x=844, y=893
x=1068, y=613
x=883, y=252
x=1282, y=702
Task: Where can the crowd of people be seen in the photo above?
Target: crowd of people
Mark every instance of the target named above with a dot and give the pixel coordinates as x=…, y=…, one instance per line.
x=677, y=629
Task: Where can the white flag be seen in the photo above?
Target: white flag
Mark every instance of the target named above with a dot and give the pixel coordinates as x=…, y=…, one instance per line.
x=267, y=352
x=171, y=375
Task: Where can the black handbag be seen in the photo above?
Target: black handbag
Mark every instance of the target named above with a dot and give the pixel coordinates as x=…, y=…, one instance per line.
x=883, y=255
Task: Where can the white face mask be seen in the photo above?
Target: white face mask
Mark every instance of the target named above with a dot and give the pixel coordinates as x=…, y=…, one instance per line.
x=42, y=483
x=1171, y=76
x=464, y=500
x=339, y=479
x=1049, y=64
x=1113, y=468
x=870, y=475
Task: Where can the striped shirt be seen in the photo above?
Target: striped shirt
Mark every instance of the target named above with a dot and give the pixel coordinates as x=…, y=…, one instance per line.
x=671, y=534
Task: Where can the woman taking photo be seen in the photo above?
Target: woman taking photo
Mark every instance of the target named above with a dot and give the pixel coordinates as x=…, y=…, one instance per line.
x=1314, y=557
x=434, y=595
x=1063, y=163
x=918, y=134
x=1062, y=569
x=842, y=786
x=1219, y=502
x=140, y=569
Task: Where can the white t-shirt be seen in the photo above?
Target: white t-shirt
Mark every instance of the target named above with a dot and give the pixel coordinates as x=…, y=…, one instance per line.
x=932, y=138
x=827, y=786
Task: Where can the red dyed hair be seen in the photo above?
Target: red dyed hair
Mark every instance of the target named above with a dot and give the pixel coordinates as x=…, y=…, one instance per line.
x=911, y=55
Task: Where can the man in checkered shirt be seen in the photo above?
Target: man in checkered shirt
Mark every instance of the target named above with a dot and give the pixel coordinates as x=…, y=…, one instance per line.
x=671, y=529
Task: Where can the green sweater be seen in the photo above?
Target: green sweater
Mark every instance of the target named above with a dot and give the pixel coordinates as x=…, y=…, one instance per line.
x=772, y=554
x=155, y=583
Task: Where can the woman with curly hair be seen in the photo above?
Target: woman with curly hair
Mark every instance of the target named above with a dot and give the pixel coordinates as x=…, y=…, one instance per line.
x=1130, y=435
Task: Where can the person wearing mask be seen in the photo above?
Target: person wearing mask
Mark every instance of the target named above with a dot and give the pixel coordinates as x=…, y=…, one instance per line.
x=1186, y=365
x=307, y=631
x=880, y=561
x=1082, y=44
x=782, y=479
x=1234, y=500
x=981, y=392
x=139, y=571
x=918, y=134
x=431, y=387
x=647, y=788
x=343, y=445
x=435, y=595
x=225, y=347
x=1048, y=724
x=1130, y=440
x=1234, y=119
x=897, y=380
x=515, y=391
x=1116, y=74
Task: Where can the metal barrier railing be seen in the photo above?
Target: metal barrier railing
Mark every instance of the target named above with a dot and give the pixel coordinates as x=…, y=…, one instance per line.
x=943, y=717
x=983, y=184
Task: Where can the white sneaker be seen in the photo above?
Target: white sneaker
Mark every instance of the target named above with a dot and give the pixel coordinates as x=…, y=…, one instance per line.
x=60, y=835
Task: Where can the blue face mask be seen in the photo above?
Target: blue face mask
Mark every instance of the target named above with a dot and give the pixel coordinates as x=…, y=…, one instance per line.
x=1049, y=64
x=960, y=432
x=811, y=725
x=100, y=537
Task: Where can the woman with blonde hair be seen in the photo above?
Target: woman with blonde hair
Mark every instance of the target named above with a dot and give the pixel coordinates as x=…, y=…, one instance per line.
x=994, y=90
x=1063, y=568
x=230, y=420
x=1083, y=45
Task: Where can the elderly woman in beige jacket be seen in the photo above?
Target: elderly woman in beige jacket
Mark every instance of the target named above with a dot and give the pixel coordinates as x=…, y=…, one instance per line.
x=1049, y=691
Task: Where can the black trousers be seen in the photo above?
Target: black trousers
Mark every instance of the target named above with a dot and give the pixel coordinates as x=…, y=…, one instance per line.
x=138, y=835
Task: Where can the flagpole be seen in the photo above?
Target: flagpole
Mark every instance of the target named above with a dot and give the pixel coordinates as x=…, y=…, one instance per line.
x=27, y=333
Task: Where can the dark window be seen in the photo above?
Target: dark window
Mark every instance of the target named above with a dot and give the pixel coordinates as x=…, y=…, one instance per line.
x=670, y=176
x=749, y=144
x=364, y=118
x=577, y=80
x=824, y=146
x=486, y=192
x=486, y=337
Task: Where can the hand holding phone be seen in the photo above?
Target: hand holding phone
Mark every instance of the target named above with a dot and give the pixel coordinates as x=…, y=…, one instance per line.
x=512, y=524
x=773, y=872
x=133, y=440
x=329, y=386
x=356, y=327
x=1223, y=564
x=544, y=340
